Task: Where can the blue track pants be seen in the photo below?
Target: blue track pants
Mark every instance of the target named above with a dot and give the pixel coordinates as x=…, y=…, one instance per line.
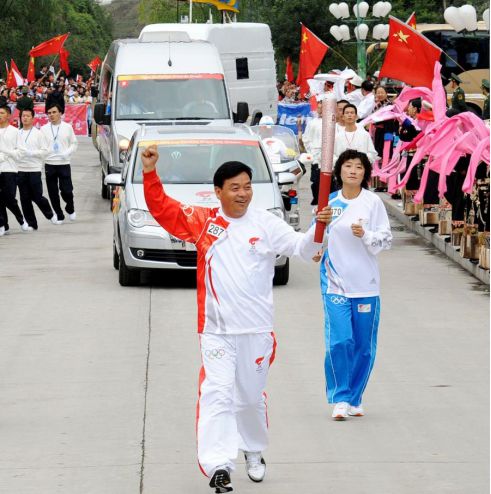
x=351, y=326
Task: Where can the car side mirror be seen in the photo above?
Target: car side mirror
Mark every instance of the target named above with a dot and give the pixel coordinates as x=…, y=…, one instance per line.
x=100, y=115
x=286, y=178
x=114, y=179
x=242, y=112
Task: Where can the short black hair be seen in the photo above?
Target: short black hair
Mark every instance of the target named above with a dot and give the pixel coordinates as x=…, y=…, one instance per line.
x=416, y=102
x=367, y=85
x=342, y=101
x=55, y=105
x=30, y=110
x=6, y=108
x=230, y=169
x=349, y=105
x=351, y=154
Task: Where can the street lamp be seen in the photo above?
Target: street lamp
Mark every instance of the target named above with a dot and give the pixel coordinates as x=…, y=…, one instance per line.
x=464, y=18
x=360, y=9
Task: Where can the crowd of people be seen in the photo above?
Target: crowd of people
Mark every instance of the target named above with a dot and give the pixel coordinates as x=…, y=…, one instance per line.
x=48, y=88
x=23, y=154
x=362, y=124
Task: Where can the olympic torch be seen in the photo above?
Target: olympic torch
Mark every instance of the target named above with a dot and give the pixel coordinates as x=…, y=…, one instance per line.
x=327, y=153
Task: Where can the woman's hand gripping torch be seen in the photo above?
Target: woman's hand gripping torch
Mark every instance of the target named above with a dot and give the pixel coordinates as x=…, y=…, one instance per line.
x=327, y=153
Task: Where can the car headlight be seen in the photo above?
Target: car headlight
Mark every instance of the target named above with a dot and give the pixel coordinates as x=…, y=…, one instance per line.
x=278, y=212
x=139, y=218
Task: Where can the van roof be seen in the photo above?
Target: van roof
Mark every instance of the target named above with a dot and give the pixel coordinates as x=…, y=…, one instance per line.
x=196, y=57
x=229, y=37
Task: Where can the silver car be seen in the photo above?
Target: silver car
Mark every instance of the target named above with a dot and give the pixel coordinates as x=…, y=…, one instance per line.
x=189, y=156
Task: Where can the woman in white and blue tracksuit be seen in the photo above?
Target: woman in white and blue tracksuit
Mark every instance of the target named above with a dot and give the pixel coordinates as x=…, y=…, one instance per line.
x=359, y=230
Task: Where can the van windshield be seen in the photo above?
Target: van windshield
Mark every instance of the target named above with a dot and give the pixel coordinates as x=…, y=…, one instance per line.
x=157, y=97
x=193, y=161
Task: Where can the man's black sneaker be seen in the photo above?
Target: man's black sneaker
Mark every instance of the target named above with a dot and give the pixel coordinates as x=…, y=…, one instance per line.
x=221, y=481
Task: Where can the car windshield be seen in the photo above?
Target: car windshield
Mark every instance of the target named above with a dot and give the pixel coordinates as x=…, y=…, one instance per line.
x=192, y=161
x=194, y=97
x=465, y=52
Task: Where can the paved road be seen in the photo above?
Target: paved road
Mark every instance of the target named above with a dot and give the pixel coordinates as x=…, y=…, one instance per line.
x=98, y=383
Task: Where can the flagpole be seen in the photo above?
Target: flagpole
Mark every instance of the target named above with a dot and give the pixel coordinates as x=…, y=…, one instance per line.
x=341, y=56
x=190, y=11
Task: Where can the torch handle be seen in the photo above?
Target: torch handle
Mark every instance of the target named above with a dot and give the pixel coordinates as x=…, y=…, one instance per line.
x=327, y=155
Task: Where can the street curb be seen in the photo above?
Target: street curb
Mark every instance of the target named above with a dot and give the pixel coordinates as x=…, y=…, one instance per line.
x=437, y=240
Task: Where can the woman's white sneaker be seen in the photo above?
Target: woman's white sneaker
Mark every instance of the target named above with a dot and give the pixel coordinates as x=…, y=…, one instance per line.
x=356, y=411
x=255, y=466
x=73, y=216
x=25, y=227
x=2, y=231
x=340, y=411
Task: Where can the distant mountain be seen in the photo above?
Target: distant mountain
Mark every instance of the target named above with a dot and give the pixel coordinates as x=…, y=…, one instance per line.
x=124, y=14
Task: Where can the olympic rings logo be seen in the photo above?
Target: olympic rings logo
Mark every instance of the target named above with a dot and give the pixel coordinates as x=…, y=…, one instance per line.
x=216, y=353
x=336, y=300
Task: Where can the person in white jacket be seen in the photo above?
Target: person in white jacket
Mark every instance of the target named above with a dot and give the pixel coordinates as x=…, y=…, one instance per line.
x=352, y=136
x=62, y=143
x=350, y=283
x=8, y=173
x=32, y=147
x=237, y=247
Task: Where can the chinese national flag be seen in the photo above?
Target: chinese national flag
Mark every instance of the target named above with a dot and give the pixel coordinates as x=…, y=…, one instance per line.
x=31, y=71
x=49, y=47
x=412, y=20
x=10, y=78
x=410, y=57
x=289, y=70
x=94, y=63
x=64, y=60
x=312, y=51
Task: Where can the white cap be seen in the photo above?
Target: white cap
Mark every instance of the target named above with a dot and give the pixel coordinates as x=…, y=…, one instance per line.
x=356, y=81
x=266, y=120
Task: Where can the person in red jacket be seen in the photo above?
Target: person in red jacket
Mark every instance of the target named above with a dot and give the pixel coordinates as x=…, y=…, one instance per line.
x=237, y=247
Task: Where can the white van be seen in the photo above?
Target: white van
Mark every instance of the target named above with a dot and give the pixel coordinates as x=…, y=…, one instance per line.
x=247, y=55
x=147, y=81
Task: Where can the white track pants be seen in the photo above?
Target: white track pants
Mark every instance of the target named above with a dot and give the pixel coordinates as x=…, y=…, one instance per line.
x=231, y=413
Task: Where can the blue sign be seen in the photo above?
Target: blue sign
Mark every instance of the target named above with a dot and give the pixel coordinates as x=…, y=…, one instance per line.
x=289, y=112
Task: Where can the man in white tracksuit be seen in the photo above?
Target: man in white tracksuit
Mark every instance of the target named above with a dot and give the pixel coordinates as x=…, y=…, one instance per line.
x=237, y=247
x=32, y=148
x=62, y=144
x=8, y=173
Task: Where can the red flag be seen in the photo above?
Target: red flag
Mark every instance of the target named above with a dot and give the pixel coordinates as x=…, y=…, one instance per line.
x=312, y=51
x=410, y=57
x=49, y=47
x=64, y=53
x=14, y=78
x=31, y=71
x=289, y=70
x=94, y=63
x=10, y=79
x=412, y=20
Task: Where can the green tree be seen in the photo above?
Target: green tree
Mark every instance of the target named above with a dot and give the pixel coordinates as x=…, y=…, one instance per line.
x=31, y=22
x=154, y=11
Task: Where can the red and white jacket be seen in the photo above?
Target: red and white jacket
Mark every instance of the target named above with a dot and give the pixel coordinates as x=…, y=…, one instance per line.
x=236, y=258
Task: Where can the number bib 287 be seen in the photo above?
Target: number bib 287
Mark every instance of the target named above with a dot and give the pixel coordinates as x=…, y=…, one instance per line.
x=215, y=230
